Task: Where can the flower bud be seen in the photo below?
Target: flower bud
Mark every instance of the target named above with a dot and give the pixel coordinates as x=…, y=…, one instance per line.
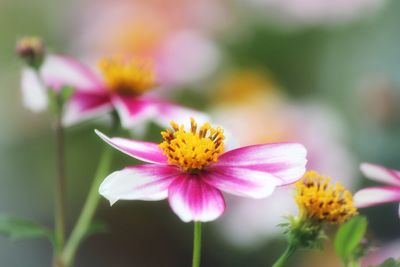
x=31, y=50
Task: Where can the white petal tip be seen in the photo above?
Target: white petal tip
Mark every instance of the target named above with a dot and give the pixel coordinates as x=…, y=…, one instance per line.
x=98, y=132
x=364, y=167
x=112, y=201
x=101, y=135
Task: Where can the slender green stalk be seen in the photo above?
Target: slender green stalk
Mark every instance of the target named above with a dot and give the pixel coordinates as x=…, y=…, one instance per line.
x=351, y=263
x=196, y=244
x=60, y=203
x=285, y=256
x=81, y=228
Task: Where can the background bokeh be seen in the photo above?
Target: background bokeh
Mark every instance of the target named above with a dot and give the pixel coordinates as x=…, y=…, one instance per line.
x=323, y=73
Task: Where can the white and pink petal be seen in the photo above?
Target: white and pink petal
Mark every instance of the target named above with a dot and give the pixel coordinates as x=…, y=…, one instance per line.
x=34, y=93
x=381, y=174
x=58, y=71
x=194, y=200
x=241, y=181
x=141, y=182
x=83, y=106
x=285, y=161
x=134, y=111
x=376, y=195
x=145, y=151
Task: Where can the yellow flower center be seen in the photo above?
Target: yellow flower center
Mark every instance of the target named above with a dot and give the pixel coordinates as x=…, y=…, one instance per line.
x=32, y=43
x=318, y=199
x=195, y=149
x=127, y=76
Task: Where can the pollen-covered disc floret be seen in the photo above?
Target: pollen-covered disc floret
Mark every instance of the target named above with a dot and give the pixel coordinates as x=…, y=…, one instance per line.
x=318, y=199
x=32, y=50
x=127, y=76
x=195, y=149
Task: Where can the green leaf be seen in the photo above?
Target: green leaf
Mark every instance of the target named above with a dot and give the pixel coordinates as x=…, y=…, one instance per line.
x=17, y=229
x=53, y=101
x=349, y=236
x=390, y=263
x=57, y=99
x=65, y=93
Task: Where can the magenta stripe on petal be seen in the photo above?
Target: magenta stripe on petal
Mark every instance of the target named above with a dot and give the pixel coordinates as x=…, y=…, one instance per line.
x=58, y=71
x=193, y=200
x=145, y=151
x=376, y=195
x=241, y=181
x=141, y=182
x=380, y=173
x=285, y=161
x=83, y=105
x=134, y=110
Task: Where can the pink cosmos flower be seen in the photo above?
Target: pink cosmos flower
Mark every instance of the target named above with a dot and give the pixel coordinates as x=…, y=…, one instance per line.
x=176, y=35
x=191, y=168
x=123, y=84
x=379, y=194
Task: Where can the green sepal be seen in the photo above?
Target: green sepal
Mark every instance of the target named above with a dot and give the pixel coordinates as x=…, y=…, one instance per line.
x=58, y=99
x=304, y=233
x=19, y=229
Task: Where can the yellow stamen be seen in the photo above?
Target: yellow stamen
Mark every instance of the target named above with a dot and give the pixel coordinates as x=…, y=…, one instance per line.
x=31, y=43
x=195, y=149
x=318, y=199
x=127, y=76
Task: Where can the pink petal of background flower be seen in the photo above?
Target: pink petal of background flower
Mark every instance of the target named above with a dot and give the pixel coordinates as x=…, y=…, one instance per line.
x=381, y=174
x=34, y=94
x=376, y=195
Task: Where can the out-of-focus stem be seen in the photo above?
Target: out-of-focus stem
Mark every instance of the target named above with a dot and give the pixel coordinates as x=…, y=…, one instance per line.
x=60, y=188
x=89, y=209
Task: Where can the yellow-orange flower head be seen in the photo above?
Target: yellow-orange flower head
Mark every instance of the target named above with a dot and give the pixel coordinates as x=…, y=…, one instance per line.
x=32, y=50
x=319, y=200
x=127, y=76
x=195, y=149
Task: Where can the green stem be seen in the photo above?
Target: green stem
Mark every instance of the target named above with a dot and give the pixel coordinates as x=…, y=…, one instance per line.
x=81, y=228
x=351, y=263
x=60, y=203
x=285, y=256
x=196, y=244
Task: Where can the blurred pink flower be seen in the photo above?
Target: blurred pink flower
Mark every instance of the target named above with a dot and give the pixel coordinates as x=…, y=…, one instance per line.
x=378, y=256
x=175, y=35
x=191, y=169
x=252, y=107
x=315, y=11
x=379, y=194
x=124, y=86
